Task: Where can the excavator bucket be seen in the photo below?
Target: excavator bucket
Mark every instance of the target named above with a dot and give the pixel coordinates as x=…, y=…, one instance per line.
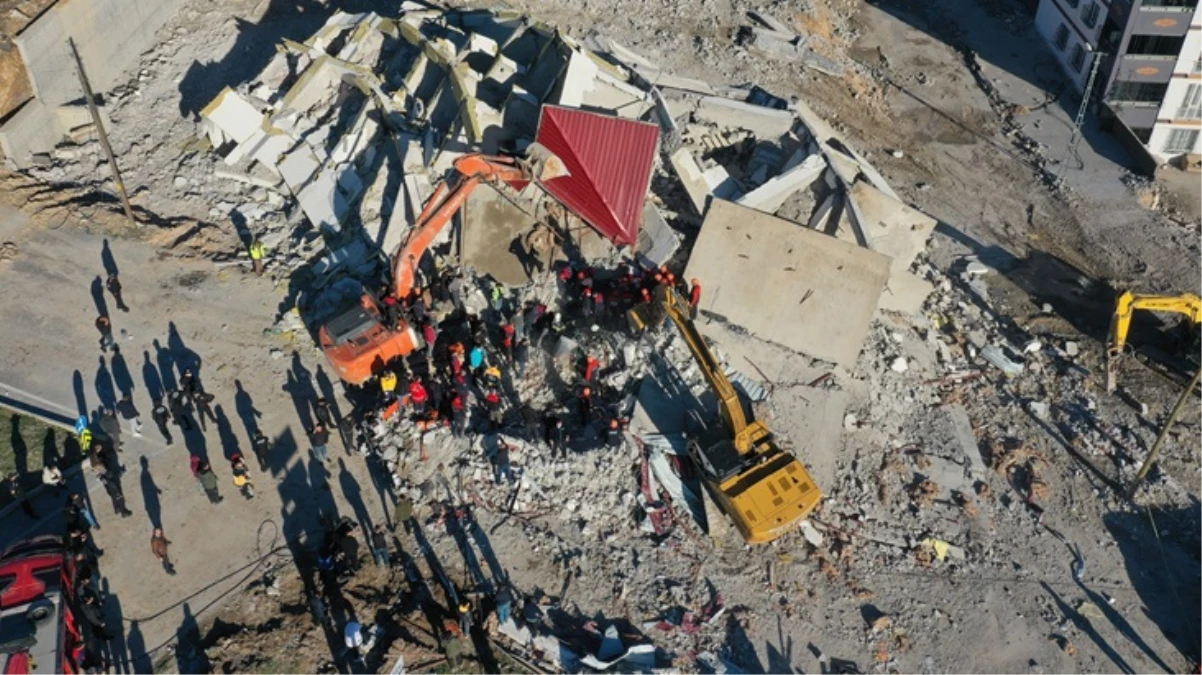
x=544, y=164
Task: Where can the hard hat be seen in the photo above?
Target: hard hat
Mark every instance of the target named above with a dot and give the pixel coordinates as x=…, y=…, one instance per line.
x=694, y=282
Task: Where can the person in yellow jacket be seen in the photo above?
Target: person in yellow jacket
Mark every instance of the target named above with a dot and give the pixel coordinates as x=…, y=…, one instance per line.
x=257, y=253
x=388, y=382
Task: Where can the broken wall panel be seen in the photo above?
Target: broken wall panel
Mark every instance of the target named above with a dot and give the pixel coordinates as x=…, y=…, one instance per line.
x=787, y=284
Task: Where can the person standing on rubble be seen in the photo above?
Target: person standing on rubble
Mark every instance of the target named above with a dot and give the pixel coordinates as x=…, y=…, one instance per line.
x=402, y=517
x=379, y=546
x=501, y=462
x=508, y=337
x=456, y=287
x=419, y=398
x=475, y=359
x=556, y=436
x=492, y=403
x=114, y=286
x=430, y=335
x=491, y=377
x=257, y=254
x=458, y=416
x=521, y=354
x=694, y=298
x=497, y=299
x=613, y=435
x=584, y=404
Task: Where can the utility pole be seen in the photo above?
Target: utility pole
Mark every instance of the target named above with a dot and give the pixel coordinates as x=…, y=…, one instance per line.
x=1154, y=453
x=101, y=133
x=1076, y=135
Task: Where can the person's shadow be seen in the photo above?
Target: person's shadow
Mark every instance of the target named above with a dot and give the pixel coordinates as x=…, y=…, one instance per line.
x=354, y=496
x=135, y=642
x=102, y=307
x=244, y=405
x=150, y=495
x=166, y=365
x=104, y=385
x=189, y=652
x=150, y=377
x=226, y=435
x=20, y=448
x=121, y=374
x=107, y=259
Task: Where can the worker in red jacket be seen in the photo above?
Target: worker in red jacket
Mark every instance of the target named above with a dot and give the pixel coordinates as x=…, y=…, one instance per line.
x=694, y=297
x=419, y=397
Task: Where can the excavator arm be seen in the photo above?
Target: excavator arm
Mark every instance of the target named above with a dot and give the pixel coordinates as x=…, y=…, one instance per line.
x=449, y=197
x=1120, y=323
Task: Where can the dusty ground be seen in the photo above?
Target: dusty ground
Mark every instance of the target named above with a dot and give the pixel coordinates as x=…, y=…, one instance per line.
x=912, y=91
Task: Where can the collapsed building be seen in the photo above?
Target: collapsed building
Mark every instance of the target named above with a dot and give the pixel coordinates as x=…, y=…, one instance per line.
x=344, y=137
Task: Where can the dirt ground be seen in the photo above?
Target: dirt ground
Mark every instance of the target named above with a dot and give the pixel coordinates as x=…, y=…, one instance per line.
x=1061, y=573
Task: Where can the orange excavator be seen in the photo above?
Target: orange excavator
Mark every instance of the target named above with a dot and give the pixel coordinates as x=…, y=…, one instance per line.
x=358, y=342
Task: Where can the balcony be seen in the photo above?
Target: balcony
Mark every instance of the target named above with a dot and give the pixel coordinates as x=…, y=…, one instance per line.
x=1163, y=20
x=1145, y=68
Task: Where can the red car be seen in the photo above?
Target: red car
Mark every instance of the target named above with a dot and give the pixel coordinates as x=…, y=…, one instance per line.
x=38, y=633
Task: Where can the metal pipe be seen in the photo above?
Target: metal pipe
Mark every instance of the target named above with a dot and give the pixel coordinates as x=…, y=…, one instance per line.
x=101, y=133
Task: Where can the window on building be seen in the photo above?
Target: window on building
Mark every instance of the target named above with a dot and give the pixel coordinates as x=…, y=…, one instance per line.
x=1139, y=92
x=1089, y=14
x=1061, y=38
x=1078, y=60
x=1191, y=105
x=1155, y=45
x=1181, y=140
x=1197, y=69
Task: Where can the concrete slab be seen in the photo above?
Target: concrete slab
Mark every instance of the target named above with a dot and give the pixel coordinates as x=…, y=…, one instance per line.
x=579, y=78
x=824, y=134
x=691, y=177
x=28, y=131
x=721, y=185
x=230, y=117
x=892, y=228
x=492, y=233
x=905, y=293
x=785, y=283
x=657, y=242
x=765, y=123
x=808, y=422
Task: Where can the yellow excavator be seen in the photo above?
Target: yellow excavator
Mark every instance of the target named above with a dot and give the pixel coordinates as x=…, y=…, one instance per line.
x=763, y=489
x=1187, y=303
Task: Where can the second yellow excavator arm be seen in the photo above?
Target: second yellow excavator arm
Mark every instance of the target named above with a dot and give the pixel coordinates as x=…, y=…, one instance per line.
x=1120, y=323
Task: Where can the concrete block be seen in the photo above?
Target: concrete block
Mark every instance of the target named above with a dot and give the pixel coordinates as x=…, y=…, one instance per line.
x=905, y=293
x=233, y=116
x=772, y=194
x=298, y=166
x=891, y=227
x=657, y=242
x=27, y=132
x=691, y=176
x=766, y=123
x=721, y=185
x=823, y=134
x=771, y=22
x=111, y=36
x=758, y=271
x=492, y=234
x=578, y=80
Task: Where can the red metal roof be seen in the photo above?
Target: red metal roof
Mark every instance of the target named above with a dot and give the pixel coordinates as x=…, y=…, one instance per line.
x=610, y=161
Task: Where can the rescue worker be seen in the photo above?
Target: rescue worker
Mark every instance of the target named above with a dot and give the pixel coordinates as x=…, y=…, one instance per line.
x=257, y=252
x=613, y=435
x=694, y=298
x=419, y=398
x=261, y=446
x=584, y=404
x=105, y=326
x=458, y=416
x=492, y=403
x=158, y=546
x=521, y=354
x=388, y=383
x=591, y=366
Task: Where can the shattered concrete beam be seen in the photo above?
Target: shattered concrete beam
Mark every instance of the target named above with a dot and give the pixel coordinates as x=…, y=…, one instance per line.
x=771, y=22
x=692, y=178
x=825, y=208
x=823, y=133
x=770, y=196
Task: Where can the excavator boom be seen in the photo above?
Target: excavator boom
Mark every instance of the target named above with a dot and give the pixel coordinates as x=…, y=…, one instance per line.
x=357, y=342
x=763, y=489
x=1124, y=310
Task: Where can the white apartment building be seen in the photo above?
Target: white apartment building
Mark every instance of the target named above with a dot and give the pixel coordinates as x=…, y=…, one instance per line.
x=1150, y=70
